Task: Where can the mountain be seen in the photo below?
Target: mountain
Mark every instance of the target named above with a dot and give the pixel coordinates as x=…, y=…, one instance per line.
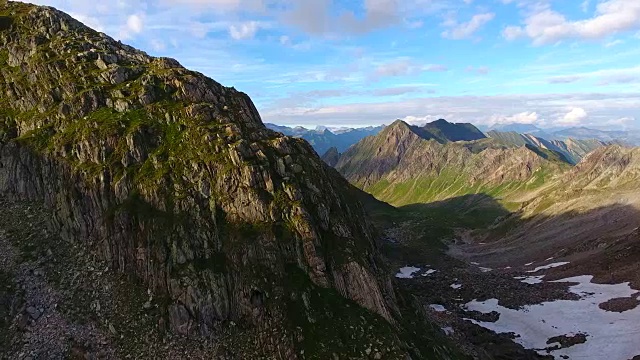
x=322, y=138
x=446, y=131
x=630, y=137
x=406, y=164
x=169, y=182
x=522, y=129
x=586, y=212
x=573, y=150
x=331, y=157
x=586, y=133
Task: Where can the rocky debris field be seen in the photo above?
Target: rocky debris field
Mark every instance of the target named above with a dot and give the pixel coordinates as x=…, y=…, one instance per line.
x=58, y=301
x=537, y=310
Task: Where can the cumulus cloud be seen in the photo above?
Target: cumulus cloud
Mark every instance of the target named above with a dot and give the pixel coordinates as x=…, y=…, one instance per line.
x=465, y=30
x=246, y=30
x=133, y=26
x=135, y=23
x=589, y=109
x=573, y=117
x=527, y=117
x=547, y=26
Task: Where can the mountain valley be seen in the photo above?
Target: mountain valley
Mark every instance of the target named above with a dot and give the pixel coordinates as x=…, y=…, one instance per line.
x=147, y=212
x=479, y=224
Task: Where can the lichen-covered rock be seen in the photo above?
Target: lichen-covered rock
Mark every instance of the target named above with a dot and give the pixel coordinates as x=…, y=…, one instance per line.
x=173, y=178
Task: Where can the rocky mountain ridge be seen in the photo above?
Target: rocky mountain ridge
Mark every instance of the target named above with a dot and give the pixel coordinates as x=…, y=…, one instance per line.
x=172, y=178
x=401, y=165
x=572, y=149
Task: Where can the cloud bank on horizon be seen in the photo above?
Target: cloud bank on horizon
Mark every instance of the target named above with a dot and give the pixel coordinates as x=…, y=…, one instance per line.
x=550, y=63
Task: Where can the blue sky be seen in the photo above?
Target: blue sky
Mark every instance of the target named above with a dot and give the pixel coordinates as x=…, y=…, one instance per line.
x=551, y=63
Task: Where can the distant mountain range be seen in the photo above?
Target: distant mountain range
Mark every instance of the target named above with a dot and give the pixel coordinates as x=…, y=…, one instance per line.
x=322, y=139
x=576, y=141
x=629, y=137
x=573, y=150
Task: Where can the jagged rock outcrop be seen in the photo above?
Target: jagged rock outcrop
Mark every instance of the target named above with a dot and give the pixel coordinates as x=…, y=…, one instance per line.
x=173, y=178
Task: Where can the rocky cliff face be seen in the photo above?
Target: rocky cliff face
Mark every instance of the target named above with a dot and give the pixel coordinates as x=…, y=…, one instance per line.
x=173, y=178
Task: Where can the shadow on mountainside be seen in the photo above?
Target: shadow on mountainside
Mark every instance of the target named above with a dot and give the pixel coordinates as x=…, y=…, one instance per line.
x=602, y=241
x=476, y=244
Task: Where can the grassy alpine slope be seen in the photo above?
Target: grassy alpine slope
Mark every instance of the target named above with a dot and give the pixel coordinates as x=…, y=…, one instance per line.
x=402, y=166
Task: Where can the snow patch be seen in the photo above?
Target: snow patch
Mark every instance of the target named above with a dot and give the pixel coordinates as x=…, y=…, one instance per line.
x=610, y=335
x=448, y=330
x=410, y=272
x=549, y=266
x=429, y=272
x=528, y=264
x=475, y=263
x=485, y=269
x=437, y=308
x=456, y=286
x=407, y=272
x=535, y=279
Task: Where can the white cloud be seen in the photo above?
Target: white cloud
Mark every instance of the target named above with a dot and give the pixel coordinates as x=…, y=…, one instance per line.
x=465, y=30
x=133, y=26
x=244, y=31
x=614, y=43
x=546, y=110
x=573, y=117
x=564, y=79
x=521, y=118
x=319, y=17
x=546, y=26
x=403, y=67
x=512, y=32
x=135, y=23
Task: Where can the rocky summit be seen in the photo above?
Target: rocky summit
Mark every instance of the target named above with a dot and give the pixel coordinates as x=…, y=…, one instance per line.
x=237, y=233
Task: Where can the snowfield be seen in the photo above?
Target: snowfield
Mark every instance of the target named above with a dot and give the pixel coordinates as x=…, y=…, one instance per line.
x=537, y=279
x=550, y=266
x=407, y=272
x=610, y=335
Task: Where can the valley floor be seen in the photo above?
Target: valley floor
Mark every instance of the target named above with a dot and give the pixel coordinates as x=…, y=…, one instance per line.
x=579, y=302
